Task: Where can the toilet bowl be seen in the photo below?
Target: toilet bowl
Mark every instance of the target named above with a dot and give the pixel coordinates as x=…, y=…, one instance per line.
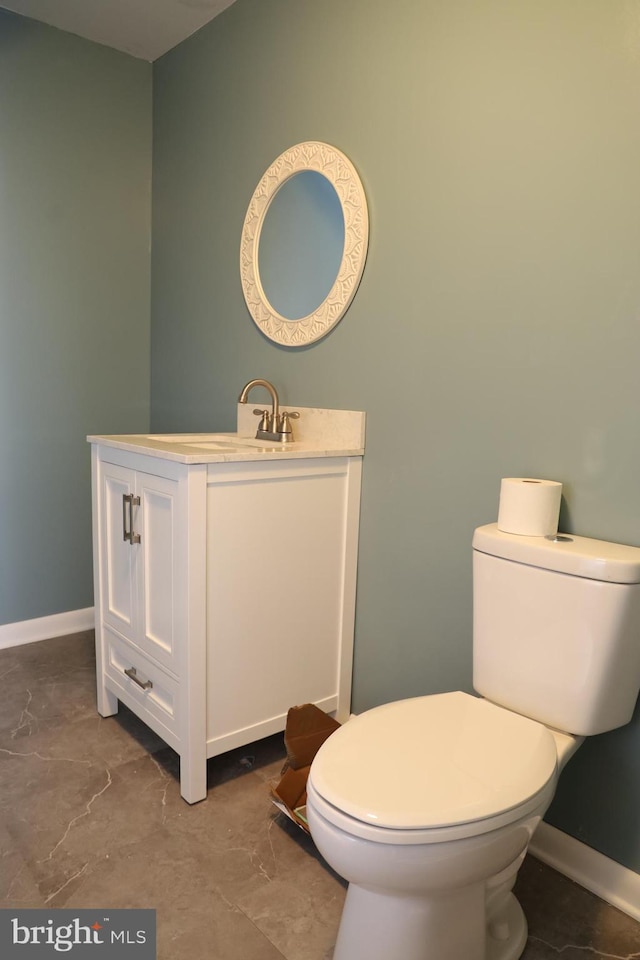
x=427, y=806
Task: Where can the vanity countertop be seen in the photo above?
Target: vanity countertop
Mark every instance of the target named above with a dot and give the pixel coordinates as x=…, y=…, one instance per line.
x=221, y=451
x=319, y=433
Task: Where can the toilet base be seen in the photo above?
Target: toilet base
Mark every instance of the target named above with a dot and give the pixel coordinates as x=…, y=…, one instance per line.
x=377, y=926
x=513, y=926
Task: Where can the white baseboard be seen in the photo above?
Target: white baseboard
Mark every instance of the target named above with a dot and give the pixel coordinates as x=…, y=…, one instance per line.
x=609, y=880
x=43, y=628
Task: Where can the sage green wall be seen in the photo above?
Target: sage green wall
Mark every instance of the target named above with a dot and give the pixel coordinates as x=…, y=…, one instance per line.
x=496, y=331
x=75, y=185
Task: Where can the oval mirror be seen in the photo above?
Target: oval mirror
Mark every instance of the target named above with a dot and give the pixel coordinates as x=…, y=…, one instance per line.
x=301, y=244
x=304, y=244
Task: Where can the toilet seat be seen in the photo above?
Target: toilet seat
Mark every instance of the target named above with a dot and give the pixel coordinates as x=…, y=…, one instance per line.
x=436, y=767
x=534, y=807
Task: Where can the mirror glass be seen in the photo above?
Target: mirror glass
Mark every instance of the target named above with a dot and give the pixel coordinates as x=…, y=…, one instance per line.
x=304, y=244
x=301, y=244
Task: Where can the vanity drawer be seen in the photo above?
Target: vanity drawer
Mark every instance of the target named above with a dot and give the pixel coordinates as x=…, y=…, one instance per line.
x=143, y=687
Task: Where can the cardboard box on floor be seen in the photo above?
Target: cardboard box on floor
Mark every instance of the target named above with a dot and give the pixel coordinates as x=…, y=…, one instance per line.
x=306, y=730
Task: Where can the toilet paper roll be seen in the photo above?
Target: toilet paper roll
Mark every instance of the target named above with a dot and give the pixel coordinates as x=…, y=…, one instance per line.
x=529, y=507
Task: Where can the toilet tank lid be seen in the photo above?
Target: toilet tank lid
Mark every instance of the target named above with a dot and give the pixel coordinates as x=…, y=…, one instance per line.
x=577, y=556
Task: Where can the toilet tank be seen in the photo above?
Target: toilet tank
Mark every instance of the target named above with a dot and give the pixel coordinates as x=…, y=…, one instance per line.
x=556, y=628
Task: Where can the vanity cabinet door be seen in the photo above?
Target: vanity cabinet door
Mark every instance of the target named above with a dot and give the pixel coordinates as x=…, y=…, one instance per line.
x=156, y=561
x=118, y=559
x=139, y=560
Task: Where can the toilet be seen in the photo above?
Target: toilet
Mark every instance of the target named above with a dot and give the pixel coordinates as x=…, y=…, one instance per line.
x=427, y=806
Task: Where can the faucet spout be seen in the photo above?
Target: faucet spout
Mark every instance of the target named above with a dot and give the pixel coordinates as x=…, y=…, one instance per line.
x=275, y=402
x=268, y=429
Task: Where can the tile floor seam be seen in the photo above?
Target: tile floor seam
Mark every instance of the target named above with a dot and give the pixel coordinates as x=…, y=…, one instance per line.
x=587, y=949
x=237, y=908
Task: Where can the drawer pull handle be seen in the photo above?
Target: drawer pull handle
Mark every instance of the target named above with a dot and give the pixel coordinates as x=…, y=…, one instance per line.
x=132, y=673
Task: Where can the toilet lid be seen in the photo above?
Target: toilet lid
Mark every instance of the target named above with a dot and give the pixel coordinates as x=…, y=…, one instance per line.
x=433, y=761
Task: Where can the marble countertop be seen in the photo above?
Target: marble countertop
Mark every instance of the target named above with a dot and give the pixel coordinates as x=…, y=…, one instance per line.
x=318, y=432
x=225, y=448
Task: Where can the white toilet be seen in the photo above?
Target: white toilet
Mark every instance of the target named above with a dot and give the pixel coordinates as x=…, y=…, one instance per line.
x=427, y=806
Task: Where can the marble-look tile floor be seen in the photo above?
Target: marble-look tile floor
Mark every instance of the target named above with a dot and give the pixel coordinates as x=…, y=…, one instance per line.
x=91, y=816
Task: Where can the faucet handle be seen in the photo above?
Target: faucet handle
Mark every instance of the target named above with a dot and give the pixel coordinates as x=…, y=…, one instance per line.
x=265, y=423
x=284, y=425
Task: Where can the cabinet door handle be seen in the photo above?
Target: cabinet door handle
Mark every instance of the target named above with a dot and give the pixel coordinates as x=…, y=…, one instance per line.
x=126, y=499
x=132, y=673
x=135, y=502
x=132, y=501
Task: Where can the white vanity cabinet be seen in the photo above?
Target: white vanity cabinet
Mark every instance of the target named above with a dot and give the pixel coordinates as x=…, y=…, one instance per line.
x=224, y=590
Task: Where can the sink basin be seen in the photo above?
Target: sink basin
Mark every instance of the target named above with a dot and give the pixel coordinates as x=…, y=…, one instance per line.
x=220, y=444
x=190, y=437
x=208, y=441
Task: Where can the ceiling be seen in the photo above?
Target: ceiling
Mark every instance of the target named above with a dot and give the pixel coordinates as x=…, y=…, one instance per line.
x=143, y=28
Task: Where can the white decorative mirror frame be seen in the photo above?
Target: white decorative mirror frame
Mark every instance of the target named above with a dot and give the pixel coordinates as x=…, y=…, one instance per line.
x=338, y=169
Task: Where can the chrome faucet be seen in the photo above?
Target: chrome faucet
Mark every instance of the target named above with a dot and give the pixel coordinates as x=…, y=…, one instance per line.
x=275, y=425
